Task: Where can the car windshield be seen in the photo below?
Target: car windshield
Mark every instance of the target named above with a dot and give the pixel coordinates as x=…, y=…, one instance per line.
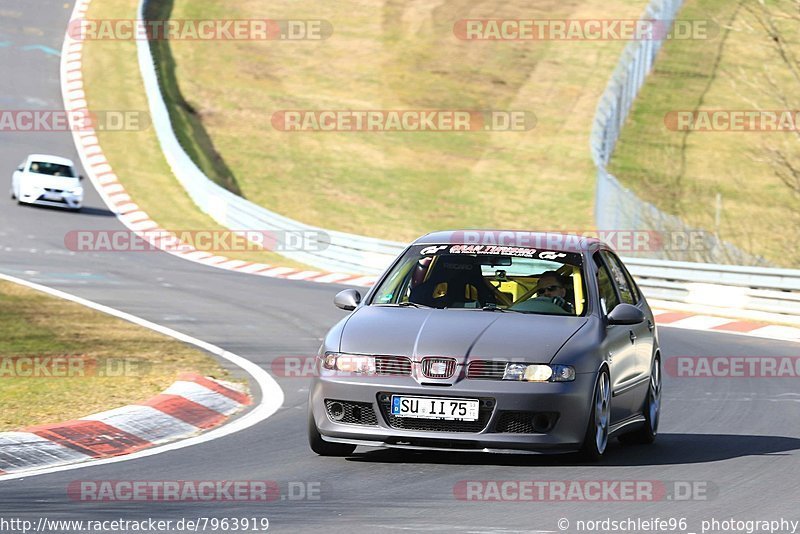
x=52, y=169
x=488, y=278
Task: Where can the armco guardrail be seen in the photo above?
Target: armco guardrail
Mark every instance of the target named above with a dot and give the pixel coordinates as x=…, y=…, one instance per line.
x=329, y=250
x=722, y=286
x=617, y=207
x=744, y=288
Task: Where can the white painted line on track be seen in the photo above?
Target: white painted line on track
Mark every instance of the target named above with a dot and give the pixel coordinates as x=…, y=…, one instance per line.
x=271, y=393
x=699, y=322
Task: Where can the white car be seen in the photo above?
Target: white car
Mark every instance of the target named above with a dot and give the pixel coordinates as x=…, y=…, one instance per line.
x=47, y=180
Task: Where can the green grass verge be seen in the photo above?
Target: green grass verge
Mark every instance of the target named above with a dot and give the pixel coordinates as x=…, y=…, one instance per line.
x=682, y=172
x=112, y=81
x=187, y=125
x=390, y=55
x=36, y=325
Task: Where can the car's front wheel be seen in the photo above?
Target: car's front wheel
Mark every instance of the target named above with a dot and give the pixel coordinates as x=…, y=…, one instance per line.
x=651, y=410
x=596, y=439
x=322, y=447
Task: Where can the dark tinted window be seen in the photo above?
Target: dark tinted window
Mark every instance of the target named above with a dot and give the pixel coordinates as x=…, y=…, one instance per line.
x=52, y=169
x=616, y=263
x=619, y=279
x=608, y=297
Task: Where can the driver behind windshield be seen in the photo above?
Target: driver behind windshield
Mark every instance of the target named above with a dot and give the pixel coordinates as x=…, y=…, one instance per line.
x=553, y=286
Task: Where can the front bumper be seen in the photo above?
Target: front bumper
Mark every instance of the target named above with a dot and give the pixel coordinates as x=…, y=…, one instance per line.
x=63, y=199
x=571, y=401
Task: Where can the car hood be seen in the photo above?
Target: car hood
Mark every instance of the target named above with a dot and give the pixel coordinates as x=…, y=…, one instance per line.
x=53, y=182
x=463, y=334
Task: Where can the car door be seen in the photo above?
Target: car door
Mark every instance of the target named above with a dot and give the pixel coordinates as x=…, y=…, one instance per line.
x=620, y=345
x=630, y=294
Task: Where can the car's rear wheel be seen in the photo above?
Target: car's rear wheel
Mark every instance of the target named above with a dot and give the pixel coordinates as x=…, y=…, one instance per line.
x=596, y=439
x=651, y=409
x=322, y=447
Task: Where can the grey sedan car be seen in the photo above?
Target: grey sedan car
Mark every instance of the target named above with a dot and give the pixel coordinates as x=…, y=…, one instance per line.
x=491, y=341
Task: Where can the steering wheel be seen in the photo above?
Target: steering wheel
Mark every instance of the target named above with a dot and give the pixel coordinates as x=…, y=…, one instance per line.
x=525, y=296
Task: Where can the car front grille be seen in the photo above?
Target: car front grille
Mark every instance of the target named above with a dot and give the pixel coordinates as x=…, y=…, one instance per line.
x=393, y=365
x=438, y=367
x=525, y=422
x=58, y=200
x=486, y=370
x=51, y=190
x=351, y=413
x=435, y=425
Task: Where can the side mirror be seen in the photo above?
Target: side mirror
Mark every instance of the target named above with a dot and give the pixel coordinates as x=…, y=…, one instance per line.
x=20, y=168
x=80, y=177
x=626, y=314
x=347, y=299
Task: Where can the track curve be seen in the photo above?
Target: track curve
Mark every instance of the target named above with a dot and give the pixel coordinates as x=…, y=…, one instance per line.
x=741, y=437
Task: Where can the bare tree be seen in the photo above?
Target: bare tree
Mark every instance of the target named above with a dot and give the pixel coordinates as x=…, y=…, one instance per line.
x=778, y=22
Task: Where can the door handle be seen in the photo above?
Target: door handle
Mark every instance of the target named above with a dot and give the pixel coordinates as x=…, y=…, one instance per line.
x=632, y=336
x=650, y=325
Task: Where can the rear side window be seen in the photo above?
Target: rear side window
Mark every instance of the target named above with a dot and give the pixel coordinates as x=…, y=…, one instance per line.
x=608, y=297
x=621, y=281
x=616, y=263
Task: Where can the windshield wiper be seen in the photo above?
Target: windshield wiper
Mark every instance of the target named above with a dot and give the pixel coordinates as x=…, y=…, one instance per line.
x=409, y=304
x=495, y=307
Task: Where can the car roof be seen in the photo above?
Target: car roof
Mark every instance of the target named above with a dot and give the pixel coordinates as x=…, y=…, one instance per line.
x=46, y=158
x=566, y=242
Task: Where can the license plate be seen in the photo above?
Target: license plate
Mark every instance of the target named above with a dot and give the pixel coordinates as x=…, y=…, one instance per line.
x=53, y=196
x=435, y=408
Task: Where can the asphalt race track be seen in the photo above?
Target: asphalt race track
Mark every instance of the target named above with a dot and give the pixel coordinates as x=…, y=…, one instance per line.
x=737, y=439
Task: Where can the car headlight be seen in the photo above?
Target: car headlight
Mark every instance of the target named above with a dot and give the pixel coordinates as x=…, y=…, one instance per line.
x=349, y=363
x=538, y=372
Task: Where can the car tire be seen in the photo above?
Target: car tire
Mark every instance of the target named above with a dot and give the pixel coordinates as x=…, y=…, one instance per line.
x=322, y=447
x=595, y=441
x=651, y=409
x=13, y=196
